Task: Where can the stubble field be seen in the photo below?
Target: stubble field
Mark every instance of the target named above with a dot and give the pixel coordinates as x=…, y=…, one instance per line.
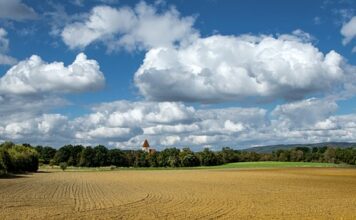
x=282, y=193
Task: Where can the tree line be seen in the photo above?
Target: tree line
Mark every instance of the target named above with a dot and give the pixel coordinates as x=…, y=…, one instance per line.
x=17, y=158
x=78, y=155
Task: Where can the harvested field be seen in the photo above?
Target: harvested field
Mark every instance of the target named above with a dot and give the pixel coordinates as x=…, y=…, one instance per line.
x=283, y=193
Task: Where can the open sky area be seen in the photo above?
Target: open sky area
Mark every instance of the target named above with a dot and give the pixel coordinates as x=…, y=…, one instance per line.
x=203, y=73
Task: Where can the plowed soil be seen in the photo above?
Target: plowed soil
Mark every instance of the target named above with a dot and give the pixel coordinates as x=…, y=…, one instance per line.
x=285, y=193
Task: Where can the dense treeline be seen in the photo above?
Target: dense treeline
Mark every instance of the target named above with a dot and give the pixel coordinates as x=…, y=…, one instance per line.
x=79, y=155
x=17, y=158
x=173, y=157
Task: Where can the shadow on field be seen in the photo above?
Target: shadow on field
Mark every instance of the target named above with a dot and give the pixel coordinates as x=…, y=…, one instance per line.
x=13, y=176
x=42, y=171
x=20, y=175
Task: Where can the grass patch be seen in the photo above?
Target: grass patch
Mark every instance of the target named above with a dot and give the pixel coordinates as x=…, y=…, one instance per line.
x=277, y=164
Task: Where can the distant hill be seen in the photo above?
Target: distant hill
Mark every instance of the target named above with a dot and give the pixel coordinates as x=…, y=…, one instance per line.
x=270, y=148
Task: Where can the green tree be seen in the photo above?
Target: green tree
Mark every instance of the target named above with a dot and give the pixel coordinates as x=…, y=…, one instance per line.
x=101, y=156
x=76, y=153
x=7, y=145
x=153, y=160
x=330, y=155
x=63, y=154
x=209, y=158
x=3, y=170
x=45, y=153
x=168, y=157
x=5, y=161
x=296, y=155
x=52, y=162
x=228, y=155
x=190, y=160
x=86, y=157
x=63, y=166
x=173, y=161
x=266, y=157
x=117, y=158
x=141, y=159
x=23, y=159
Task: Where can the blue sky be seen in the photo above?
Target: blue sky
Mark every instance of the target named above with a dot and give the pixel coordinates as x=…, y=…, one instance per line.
x=179, y=73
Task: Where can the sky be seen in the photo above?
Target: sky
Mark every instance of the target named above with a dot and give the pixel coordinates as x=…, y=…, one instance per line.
x=204, y=73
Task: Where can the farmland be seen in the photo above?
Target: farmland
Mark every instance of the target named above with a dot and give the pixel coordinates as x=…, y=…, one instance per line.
x=278, y=193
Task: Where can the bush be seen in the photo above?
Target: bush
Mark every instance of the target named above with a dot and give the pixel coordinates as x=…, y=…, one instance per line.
x=40, y=162
x=23, y=159
x=2, y=170
x=63, y=165
x=5, y=162
x=52, y=162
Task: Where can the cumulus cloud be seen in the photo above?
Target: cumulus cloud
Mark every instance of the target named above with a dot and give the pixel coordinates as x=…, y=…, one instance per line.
x=222, y=68
x=305, y=113
x=35, y=76
x=127, y=124
x=33, y=87
x=129, y=28
x=348, y=31
x=47, y=128
x=148, y=112
x=124, y=123
x=233, y=126
x=103, y=133
x=16, y=10
x=4, y=47
x=25, y=107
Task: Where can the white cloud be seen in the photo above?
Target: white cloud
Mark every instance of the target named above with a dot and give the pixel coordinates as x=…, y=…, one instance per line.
x=197, y=126
x=16, y=10
x=222, y=68
x=125, y=112
x=306, y=112
x=348, y=30
x=306, y=121
x=167, y=123
x=34, y=76
x=171, y=129
x=32, y=88
x=24, y=107
x=103, y=133
x=49, y=128
x=233, y=127
x=123, y=120
x=129, y=28
x=170, y=140
x=6, y=60
x=4, y=42
x=4, y=47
